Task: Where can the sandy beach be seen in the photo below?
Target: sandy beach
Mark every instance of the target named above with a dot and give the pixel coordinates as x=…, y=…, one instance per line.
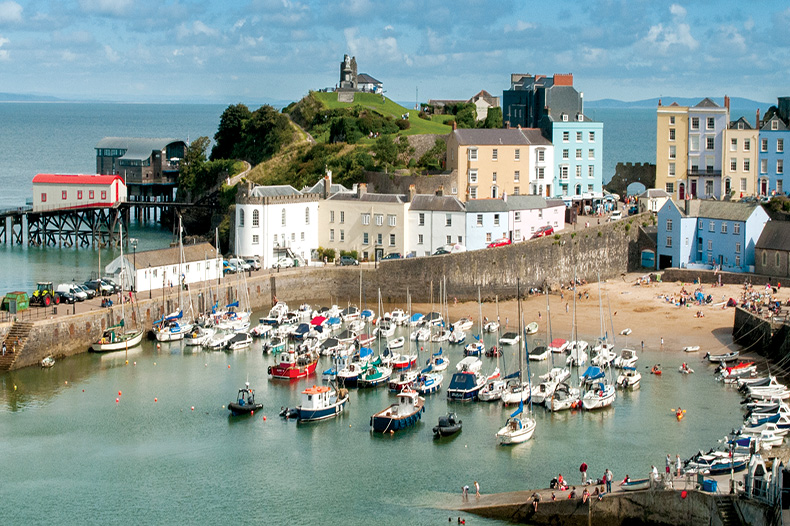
x=642, y=308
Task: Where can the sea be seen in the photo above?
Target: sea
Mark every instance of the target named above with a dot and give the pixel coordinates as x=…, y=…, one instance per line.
x=144, y=436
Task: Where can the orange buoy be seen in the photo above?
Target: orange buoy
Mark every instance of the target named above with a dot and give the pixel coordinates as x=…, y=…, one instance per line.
x=119, y=393
x=228, y=366
x=155, y=400
x=264, y=418
x=117, y=400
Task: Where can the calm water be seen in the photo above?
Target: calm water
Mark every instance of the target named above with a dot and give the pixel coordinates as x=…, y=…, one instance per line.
x=90, y=460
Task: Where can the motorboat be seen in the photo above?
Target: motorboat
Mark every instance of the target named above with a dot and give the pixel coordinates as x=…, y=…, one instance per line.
x=629, y=378
x=531, y=328
x=365, y=339
x=517, y=429
x=276, y=315
x=240, y=340
x=766, y=426
x=448, y=425
x=539, y=353
x=474, y=349
x=245, y=402
x=457, y=337
x=367, y=315
x=627, y=358
x=357, y=325
x=428, y=382
x=416, y=319
x=509, y=338
x=330, y=347
x=492, y=391
x=401, y=415
x=397, y=343
x=385, y=329
x=398, y=316
x=726, y=357
x=685, y=369
x=292, y=365
x=403, y=380
x=464, y=324
x=434, y=319
x=441, y=336
x=261, y=331
x=625, y=332
x=558, y=345
x=275, y=345
x=491, y=326
x=543, y=392
x=321, y=402
x=565, y=397
x=47, y=362
x=421, y=334
x=604, y=354
x=219, y=340
x=691, y=348
x=349, y=314
x=467, y=382
x=346, y=337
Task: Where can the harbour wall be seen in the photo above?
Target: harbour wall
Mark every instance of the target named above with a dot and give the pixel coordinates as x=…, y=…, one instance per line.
x=604, y=251
x=686, y=275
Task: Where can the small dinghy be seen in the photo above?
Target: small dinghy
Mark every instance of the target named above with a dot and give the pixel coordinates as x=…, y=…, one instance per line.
x=625, y=332
x=532, y=328
x=47, y=362
x=685, y=369
x=449, y=424
x=691, y=348
x=635, y=485
x=245, y=402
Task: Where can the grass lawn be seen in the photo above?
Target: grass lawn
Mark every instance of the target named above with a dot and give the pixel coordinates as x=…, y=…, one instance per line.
x=386, y=107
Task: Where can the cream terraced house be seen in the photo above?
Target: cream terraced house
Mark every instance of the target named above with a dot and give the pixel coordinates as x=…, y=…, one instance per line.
x=739, y=169
x=672, y=149
x=490, y=163
x=365, y=222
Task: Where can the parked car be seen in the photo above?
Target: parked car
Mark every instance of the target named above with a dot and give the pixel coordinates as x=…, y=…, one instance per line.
x=284, y=262
x=71, y=288
x=441, y=251
x=499, y=243
x=348, y=260
x=240, y=264
x=113, y=284
x=616, y=215
x=101, y=287
x=456, y=249
x=227, y=268
x=543, y=232
x=66, y=297
x=254, y=263
x=392, y=255
x=87, y=290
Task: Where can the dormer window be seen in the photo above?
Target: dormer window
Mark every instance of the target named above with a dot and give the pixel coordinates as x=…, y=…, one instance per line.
x=580, y=117
x=774, y=125
x=564, y=117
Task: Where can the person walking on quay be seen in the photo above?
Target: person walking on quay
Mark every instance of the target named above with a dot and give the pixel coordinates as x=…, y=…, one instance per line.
x=583, y=470
x=477, y=489
x=678, y=465
x=669, y=464
x=609, y=477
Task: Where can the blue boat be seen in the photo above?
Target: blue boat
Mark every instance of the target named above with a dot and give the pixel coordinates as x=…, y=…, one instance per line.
x=406, y=413
x=428, y=382
x=467, y=382
x=320, y=403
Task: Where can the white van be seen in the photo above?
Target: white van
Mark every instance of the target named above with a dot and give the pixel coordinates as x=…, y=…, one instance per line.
x=240, y=264
x=616, y=215
x=79, y=295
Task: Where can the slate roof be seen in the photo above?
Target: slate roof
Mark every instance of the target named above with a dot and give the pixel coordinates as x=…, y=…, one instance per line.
x=767, y=124
x=486, y=205
x=369, y=198
x=724, y=210
x=653, y=193
x=274, y=191
x=707, y=103
x=508, y=136
x=525, y=202
x=775, y=236
x=436, y=203
x=364, y=78
x=137, y=148
x=740, y=124
x=318, y=188
x=171, y=256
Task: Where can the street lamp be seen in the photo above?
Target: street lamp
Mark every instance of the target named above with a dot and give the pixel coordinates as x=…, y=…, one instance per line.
x=134, y=263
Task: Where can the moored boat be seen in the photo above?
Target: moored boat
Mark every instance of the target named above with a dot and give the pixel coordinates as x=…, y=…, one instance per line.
x=321, y=402
x=448, y=425
x=428, y=382
x=47, y=362
x=401, y=415
x=635, y=485
x=291, y=365
x=245, y=402
x=116, y=339
x=517, y=429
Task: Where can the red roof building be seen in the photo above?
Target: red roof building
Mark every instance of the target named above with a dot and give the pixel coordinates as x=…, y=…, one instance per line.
x=71, y=191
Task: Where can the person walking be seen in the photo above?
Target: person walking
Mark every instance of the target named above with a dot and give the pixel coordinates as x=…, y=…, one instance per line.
x=477, y=489
x=583, y=470
x=669, y=465
x=678, y=465
x=609, y=477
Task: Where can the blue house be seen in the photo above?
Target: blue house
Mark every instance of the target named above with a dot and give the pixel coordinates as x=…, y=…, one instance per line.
x=705, y=234
x=774, y=135
x=486, y=221
x=578, y=154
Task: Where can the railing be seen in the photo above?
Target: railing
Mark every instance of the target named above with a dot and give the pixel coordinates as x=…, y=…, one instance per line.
x=16, y=210
x=704, y=172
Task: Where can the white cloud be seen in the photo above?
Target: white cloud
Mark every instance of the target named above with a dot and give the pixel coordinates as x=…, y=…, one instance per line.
x=239, y=24
x=733, y=38
x=678, y=10
x=10, y=12
x=385, y=48
x=519, y=26
x=672, y=37
x=3, y=52
x=196, y=28
x=111, y=54
x=107, y=7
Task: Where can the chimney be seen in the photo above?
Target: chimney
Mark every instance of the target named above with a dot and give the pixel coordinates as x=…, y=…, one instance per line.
x=455, y=126
x=327, y=184
x=687, y=203
x=758, y=119
x=727, y=103
x=507, y=125
x=412, y=192
x=659, y=102
x=362, y=189
x=439, y=191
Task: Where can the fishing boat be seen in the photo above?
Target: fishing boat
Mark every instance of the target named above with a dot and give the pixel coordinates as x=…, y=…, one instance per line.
x=245, y=402
x=397, y=343
x=726, y=357
x=373, y=376
x=240, y=340
x=448, y=425
x=438, y=361
x=321, y=402
x=558, y=345
x=509, y=338
x=291, y=365
x=691, y=348
x=403, y=380
x=629, y=378
x=635, y=485
x=517, y=429
x=428, y=382
x=627, y=358
x=47, y=362
x=401, y=415
x=467, y=382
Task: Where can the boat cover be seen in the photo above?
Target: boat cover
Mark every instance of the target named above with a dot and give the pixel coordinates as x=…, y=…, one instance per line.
x=593, y=373
x=463, y=381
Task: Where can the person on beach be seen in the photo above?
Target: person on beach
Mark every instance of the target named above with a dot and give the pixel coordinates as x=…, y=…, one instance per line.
x=465, y=492
x=583, y=470
x=477, y=489
x=585, y=495
x=654, y=472
x=669, y=464
x=572, y=494
x=609, y=477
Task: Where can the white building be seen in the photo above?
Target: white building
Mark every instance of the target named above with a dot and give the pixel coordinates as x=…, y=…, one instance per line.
x=155, y=269
x=435, y=221
x=67, y=191
x=275, y=221
x=526, y=214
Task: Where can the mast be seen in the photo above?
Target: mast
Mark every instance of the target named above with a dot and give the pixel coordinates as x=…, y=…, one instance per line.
x=479, y=316
x=123, y=267
x=600, y=309
x=548, y=325
x=520, y=363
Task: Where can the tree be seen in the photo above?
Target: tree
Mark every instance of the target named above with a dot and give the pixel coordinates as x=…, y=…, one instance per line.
x=386, y=151
x=229, y=132
x=193, y=166
x=467, y=116
x=263, y=134
x=493, y=119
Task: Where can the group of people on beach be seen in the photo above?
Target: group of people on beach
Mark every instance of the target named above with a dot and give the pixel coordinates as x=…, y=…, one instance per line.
x=465, y=491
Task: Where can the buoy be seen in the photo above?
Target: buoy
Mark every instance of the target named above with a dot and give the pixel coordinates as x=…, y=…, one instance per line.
x=683, y=494
x=14, y=387
x=135, y=363
x=117, y=400
x=205, y=365
x=158, y=346
x=252, y=412
x=349, y=425
x=127, y=362
x=228, y=366
x=66, y=382
x=264, y=418
x=119, y=393
x=83, y=390
x=193, y=408
x=154, y=363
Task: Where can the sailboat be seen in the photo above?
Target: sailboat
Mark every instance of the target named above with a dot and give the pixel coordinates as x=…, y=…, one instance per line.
x=519, y=427
x=170, y=328
x=520, y=390
x=477, y=347
x=115, y=338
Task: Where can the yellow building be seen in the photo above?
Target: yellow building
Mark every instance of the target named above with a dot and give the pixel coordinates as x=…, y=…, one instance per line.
x=489, y=163
x=739, y=169
x=672, y=149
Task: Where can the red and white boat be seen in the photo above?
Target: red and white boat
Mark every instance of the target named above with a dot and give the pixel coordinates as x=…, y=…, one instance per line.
x=365, y=339
x=404, y=361
x=558, y=345
x=292, y=365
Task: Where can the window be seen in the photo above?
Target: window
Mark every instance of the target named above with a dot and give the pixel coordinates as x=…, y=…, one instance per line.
x=256, y=218
x=669, y=241
x=779, y=189
x=379, y=219
x=420, y=239
x=780, y=145
x=710, y=143
x=737, y=261
x=517, y=237
x=700, y=225
x=765, y=258
x=747, y=145
x=590, y=188
x=493, y=176
x=743, y=184
x=669, y=225
x=564, y=172
x=763, y=145
x=736, y=228
x=694, y=143
x=578, y=153
x=43, y=197
x=379, y=239
x=541, y=155
x=241, y=217
x=733, y=145
x=331, y=216
x=473, y=192
x=695, y=123
x=578, y=171
x=711, y=123
x=566, y=136
x=578, y=136
x=448, y=220
x=494, y=154
x=516, y=176
x=671, y=119
x=479, y=219
x=516, y=190
x=672, y=134
x=733, y=164
x=774, y=125
x=472, y=176
x=747, y=164
x=712, y=226
x=342, y=216
x=282, y=217
x=780, y=166
x=566, y=154
x=460, y=239
x=255, y=240
x=90, y=194
x=64, y=195
x=103, y=195
x=307, y=216
x=79, y=194
x=541, y=173
x=724, y=227
x=342, y=235
x=496, y=219
x=365, y=219
x=670, y=188
x=421, y=218
x=449, y=239
x=671, y=169
x=365, y=238
x=472, y=154
x=488, y=237
x=737, y=248
x=710, y=244
x=391, y=220
x=293, y=236
x=591, y=154
x=517, y=216
x=672, y=152
x=709, y=187
x=763, y=166
x=517, y=156
x=776, y=259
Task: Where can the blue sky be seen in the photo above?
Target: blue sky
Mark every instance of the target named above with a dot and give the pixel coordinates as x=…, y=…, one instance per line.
x=253, y=50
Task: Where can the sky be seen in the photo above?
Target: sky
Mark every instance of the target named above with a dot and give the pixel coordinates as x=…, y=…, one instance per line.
x=258, y=50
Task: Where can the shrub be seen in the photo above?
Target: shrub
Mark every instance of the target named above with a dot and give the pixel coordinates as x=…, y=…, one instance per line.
x=600, y=234
x=403, y=124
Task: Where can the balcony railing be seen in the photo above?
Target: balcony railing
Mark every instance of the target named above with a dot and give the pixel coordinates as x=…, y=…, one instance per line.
x=704, y=172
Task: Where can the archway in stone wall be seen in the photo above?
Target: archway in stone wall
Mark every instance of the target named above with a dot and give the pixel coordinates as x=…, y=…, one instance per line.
x=628, y=173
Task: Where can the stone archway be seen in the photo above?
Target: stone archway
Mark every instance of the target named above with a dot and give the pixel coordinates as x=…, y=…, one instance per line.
x=627, y=173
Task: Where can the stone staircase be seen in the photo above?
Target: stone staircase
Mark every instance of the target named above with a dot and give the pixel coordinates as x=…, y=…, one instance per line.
x=727, y=513
x=15, y=341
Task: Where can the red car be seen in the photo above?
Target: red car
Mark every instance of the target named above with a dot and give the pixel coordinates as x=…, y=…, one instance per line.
x=499, y=243
x=543, y=232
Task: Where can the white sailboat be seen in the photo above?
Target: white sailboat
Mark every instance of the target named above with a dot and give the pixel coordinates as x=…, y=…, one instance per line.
x=170, y=328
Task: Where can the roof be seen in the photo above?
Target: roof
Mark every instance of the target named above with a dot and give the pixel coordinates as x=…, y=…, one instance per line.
x=274, y=191
x=775, y=118
x=526, y=202
x=171, y=256
x=76, y=179
x=652, y=193
x=318, y=188
x=364, y=78
x=723, y=210
x=436, y=203
x=371, y=198
x=775, y=236
x=486, y=205
x=740, y=124
x=510, y=136
x=137, y=148
x=706, y=103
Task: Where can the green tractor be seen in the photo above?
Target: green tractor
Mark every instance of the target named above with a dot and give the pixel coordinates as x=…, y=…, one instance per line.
x=44, y=295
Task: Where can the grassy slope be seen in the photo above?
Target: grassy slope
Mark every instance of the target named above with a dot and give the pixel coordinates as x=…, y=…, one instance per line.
x=370, y=100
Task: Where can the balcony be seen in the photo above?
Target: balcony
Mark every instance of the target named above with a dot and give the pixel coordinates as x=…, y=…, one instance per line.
x=696, y=172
